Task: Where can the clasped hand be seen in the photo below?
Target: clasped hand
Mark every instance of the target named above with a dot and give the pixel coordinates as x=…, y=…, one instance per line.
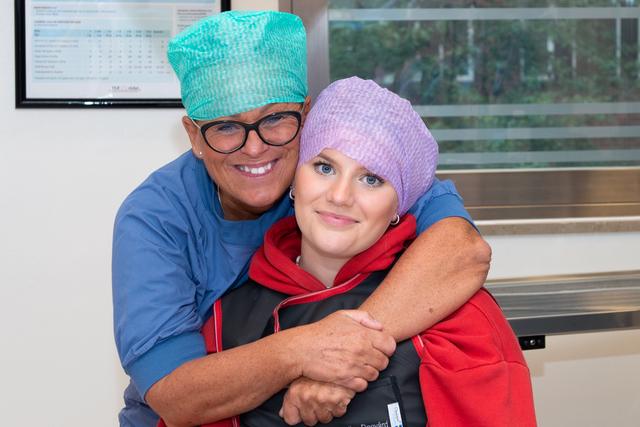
x=348, y=352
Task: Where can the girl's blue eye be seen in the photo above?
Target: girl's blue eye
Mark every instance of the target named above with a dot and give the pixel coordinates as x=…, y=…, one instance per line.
x=372, y=180
x=323, y=168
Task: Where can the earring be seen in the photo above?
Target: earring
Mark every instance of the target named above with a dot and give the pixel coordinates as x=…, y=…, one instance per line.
x=291, y=195
x=200, y=154
x=396, y=220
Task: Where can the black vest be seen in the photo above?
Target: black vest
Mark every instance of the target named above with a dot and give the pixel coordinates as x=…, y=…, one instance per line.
x=247, y=316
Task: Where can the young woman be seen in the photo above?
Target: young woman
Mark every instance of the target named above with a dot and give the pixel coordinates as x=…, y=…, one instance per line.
x=365, y=157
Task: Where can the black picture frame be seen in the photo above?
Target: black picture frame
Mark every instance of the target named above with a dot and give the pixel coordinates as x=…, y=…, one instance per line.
x=23, y=101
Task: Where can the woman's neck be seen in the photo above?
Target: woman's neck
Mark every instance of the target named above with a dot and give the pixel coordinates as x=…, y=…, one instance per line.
x=323, y=267
x=232, y=210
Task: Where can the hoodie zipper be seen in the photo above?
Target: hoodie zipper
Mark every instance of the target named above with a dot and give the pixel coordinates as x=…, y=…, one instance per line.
x=325, y=293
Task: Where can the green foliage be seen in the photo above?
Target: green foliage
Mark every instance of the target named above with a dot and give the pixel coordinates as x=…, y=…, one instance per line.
x=495, y=62
x=512, y=61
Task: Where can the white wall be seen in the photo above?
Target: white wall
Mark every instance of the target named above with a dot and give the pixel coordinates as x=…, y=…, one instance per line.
x=585, y=379
x=63, y=174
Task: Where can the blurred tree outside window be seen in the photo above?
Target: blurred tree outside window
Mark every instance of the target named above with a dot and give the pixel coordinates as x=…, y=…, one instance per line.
x=504, y=83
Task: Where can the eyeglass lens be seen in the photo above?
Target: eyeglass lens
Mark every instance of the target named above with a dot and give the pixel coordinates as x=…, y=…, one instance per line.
x=275, y=129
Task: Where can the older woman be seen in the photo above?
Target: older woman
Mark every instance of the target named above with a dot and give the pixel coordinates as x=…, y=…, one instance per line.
x=365, y=158
x=186, y=234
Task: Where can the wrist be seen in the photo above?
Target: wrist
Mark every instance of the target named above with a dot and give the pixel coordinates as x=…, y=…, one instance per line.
x=289, y=349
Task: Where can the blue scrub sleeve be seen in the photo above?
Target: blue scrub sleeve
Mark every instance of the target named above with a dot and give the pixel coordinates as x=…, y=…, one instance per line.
x=163, y=358
x=439, y=202
x=156, y=323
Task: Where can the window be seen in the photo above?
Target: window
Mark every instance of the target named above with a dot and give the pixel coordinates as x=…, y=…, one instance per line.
x=534, y=103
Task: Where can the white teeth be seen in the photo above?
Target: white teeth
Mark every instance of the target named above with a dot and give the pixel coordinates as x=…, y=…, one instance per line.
x=256, y=171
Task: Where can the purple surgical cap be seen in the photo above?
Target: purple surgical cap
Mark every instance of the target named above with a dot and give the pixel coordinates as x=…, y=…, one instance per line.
x=376, y=128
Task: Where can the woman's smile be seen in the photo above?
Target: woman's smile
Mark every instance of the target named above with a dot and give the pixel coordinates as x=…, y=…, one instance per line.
x=336, y=220
x=256, y=170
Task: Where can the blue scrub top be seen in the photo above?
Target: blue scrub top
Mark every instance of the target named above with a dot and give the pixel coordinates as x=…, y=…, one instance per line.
x=174, y=255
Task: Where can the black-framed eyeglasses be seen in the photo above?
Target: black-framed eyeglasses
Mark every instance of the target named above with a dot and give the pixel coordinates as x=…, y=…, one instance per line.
x=227, y=136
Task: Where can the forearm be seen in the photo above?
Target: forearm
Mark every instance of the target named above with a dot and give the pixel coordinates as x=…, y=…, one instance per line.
x=339, y=349
x=224, y=384
x=438, y=273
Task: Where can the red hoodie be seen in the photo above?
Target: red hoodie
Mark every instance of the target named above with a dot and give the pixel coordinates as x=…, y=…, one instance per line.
x=472, y=371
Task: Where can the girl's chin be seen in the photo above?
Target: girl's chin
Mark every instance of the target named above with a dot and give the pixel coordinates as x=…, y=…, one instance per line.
x=337, y=249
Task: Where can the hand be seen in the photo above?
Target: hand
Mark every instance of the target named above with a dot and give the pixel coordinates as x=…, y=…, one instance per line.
x=310, y=402
x=347, y=348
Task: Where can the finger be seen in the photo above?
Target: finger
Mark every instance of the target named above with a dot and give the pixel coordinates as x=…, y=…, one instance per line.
x=340, y=409
x=383, y=342
x=373, y=374
x=364, y=372
x=290, y=413
x=364, y=318
x=356, y=384
x=376, y=359
x=324, y=415
x=347, y=395
x=308, y=416
x=368, y=373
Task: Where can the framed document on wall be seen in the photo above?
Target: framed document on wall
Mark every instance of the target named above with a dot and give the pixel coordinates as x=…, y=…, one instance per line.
x=101, y=53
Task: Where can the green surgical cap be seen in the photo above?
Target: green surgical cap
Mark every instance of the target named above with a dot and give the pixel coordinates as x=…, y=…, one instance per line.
x=237, y=61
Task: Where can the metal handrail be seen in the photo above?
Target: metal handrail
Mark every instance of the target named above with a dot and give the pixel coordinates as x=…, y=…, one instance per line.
x=561, y=304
